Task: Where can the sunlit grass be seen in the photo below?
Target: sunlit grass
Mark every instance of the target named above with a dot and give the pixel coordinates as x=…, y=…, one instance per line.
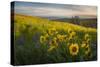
x=39, y=40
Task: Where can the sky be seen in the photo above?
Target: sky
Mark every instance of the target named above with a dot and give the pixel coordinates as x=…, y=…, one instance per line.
x=55, y=10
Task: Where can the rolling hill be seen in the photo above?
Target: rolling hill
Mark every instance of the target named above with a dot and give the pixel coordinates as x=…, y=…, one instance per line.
x=39, y=40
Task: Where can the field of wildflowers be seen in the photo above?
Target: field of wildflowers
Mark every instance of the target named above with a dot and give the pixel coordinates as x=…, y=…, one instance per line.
x=39, y=41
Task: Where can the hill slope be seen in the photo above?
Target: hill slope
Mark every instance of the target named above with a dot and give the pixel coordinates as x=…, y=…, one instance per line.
x=38, y=40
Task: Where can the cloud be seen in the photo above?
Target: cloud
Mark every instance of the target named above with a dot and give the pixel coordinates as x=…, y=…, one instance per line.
x=56, y=10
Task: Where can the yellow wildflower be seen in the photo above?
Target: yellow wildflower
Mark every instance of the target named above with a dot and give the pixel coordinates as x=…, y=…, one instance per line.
x=53, y=44
x=74, y=49
x=51, y=48
x=52, y=31
x=42, y=39
x=87, y=50
x=86, y=36
x=69, y=31
x=83, y=45
x=71, y=35
x=88, y=40
x=61, y=37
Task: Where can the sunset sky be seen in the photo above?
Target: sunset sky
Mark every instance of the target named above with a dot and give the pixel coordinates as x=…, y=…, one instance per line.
x=55, y=10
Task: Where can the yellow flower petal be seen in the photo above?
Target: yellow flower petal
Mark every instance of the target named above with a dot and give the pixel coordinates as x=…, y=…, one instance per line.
x=74, y=49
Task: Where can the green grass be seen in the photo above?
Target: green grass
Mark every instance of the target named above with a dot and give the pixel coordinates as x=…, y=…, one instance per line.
x=29, y=49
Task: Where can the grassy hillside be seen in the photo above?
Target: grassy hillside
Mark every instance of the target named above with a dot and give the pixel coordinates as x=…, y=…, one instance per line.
x=89, y=22
x=38, y=40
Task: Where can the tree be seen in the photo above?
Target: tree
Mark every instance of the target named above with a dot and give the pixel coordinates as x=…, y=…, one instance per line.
x=75, y=20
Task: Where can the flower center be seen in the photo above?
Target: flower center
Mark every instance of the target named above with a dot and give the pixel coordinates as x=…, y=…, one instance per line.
x=74, y=49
